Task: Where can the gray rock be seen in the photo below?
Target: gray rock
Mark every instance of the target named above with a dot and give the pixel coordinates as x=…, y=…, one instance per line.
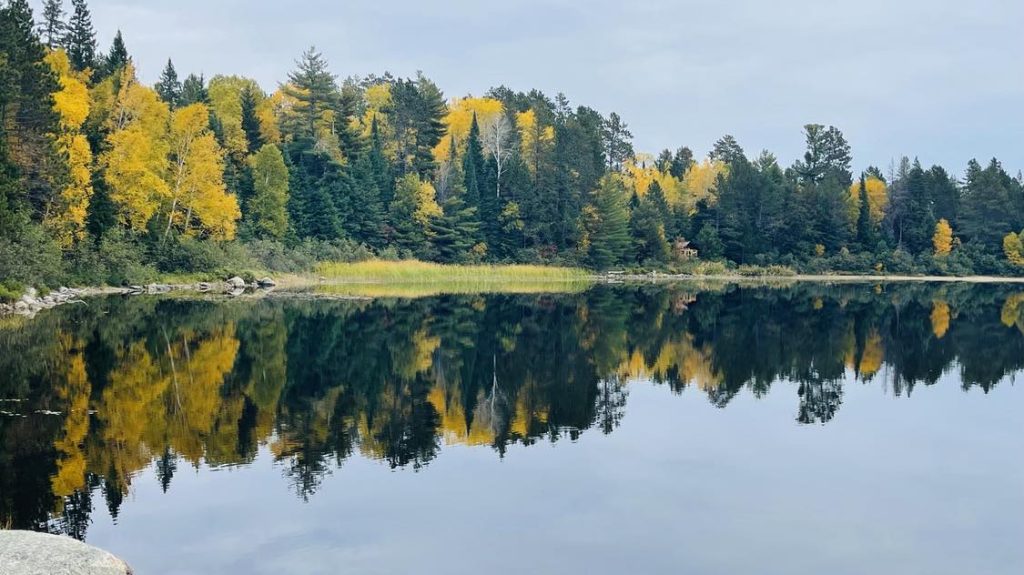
x=237, y=291
x=20, y=306
x=236, y=282
x=266, y=282
x=28, y=553
x=204, y=286
x=29, y=299
x=63, y=290
x=31, y=292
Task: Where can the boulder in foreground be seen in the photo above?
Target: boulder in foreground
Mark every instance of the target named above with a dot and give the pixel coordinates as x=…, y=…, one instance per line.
x=30, y=553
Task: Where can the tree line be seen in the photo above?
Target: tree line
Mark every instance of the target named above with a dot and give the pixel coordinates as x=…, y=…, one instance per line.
x=103, y=178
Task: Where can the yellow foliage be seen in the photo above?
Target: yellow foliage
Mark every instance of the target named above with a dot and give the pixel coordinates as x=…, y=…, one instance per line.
x=878, y=199
x=701, y=182
x=534, y=139
x=1012, y=313
x=67, y=212
x=940, y=318
x=1013, y=247
x=943, y=238
x=874, y=354
x=225, y=93
x=136, y=159
x=426, y=204
x=460, y=118
x=196, y=178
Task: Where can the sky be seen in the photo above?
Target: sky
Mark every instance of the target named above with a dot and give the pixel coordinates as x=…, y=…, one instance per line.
x=941, y=80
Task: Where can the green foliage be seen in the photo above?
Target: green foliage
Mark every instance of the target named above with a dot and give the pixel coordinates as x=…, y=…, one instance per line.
x=266, y=213
x=607, y=229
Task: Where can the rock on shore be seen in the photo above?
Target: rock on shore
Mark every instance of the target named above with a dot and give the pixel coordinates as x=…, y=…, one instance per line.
x=30, y=553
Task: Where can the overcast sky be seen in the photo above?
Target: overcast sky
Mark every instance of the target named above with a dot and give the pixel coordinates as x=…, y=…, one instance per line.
x=939, y=79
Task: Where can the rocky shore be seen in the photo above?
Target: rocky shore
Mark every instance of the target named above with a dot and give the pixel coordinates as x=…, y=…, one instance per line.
x=32, y=302
x=29, y=553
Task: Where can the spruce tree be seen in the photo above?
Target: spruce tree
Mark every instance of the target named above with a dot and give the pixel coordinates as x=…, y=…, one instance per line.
x=117, y=58
x=250, y=119
x=609, y=231
x=53, y=28
x=473, y=165
x=379, y=165
x=168, y=86
x=81, y=37
x=193, y=90
x=865, y=227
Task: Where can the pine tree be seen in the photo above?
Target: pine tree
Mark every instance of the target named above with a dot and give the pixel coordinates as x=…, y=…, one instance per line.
x=117, y=57
x=193, y=91
x=918, y=221
x=81, y=38
x=53, y=28
x=608, y=225
x=27, y=117
x=250, y=120
x=473, y=165
x=379, y=165
x=865, y=226
x=647, y=228
x=315, y=92
x=168, y=86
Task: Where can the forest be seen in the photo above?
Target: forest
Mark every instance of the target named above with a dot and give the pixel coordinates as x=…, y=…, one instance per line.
x=105, y=180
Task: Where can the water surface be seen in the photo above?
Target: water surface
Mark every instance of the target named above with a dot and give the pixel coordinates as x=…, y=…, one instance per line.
x=685, y=428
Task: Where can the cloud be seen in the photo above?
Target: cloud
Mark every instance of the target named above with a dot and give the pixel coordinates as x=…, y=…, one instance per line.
x=940, y=79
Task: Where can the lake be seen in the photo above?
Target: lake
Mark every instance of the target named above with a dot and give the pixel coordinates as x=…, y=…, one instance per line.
x=681, y=428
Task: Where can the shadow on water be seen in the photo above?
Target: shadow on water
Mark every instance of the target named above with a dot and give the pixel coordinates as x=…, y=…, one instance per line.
x=93, y=394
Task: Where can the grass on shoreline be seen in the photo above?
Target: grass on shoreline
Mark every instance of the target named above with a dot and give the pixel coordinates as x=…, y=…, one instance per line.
x=414, y=271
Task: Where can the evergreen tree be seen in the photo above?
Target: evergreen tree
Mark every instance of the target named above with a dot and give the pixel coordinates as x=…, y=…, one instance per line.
x=647, y=227
x=315, y=92
x=250, y=120
x=618, y=146
x=681, y=162
x=27, y=118
x=379, y=165
x=608, y=228
x=168, y=86
x=53, y=28
x=865, y=226
x=987, y=212
x=473, y=163
x=193, y=91
x=918, y=220
x=81, y=38
x=117, y=57
x=727, y=150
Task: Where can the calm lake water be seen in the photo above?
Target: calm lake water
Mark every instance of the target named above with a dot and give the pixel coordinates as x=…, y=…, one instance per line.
x=674, y=429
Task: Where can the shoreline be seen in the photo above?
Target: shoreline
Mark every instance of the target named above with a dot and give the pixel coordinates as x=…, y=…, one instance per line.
x=30, y=304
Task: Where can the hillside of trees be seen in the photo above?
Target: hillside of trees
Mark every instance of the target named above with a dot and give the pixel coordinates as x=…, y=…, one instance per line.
x=106, y=180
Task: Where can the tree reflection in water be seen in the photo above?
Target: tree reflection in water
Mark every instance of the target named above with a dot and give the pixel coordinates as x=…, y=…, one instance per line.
x=110, y=389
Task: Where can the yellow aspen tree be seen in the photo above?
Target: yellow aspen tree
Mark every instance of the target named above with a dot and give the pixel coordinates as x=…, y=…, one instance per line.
x=66, y=213
x=225, y=93
x=878, y=199
x=701, y=182
x=943, y=238
x=460, y=118
x=136, y=157
x=196, y=181
x=1013, y=247
x=534, y=139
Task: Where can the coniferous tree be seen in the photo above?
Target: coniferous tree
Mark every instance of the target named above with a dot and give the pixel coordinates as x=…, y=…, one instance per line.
x=27, y=118
x=379, y=165
x=81, y=37
x=865, y=225
x=193, y=91
x=919, y=221
x=169, y=87
x=117, y=57
x=606, y=224
x=473, y=163
x=250, y=120
x=53, y=28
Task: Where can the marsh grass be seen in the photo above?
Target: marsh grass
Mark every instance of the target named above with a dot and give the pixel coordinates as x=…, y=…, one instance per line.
x=412, y=278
